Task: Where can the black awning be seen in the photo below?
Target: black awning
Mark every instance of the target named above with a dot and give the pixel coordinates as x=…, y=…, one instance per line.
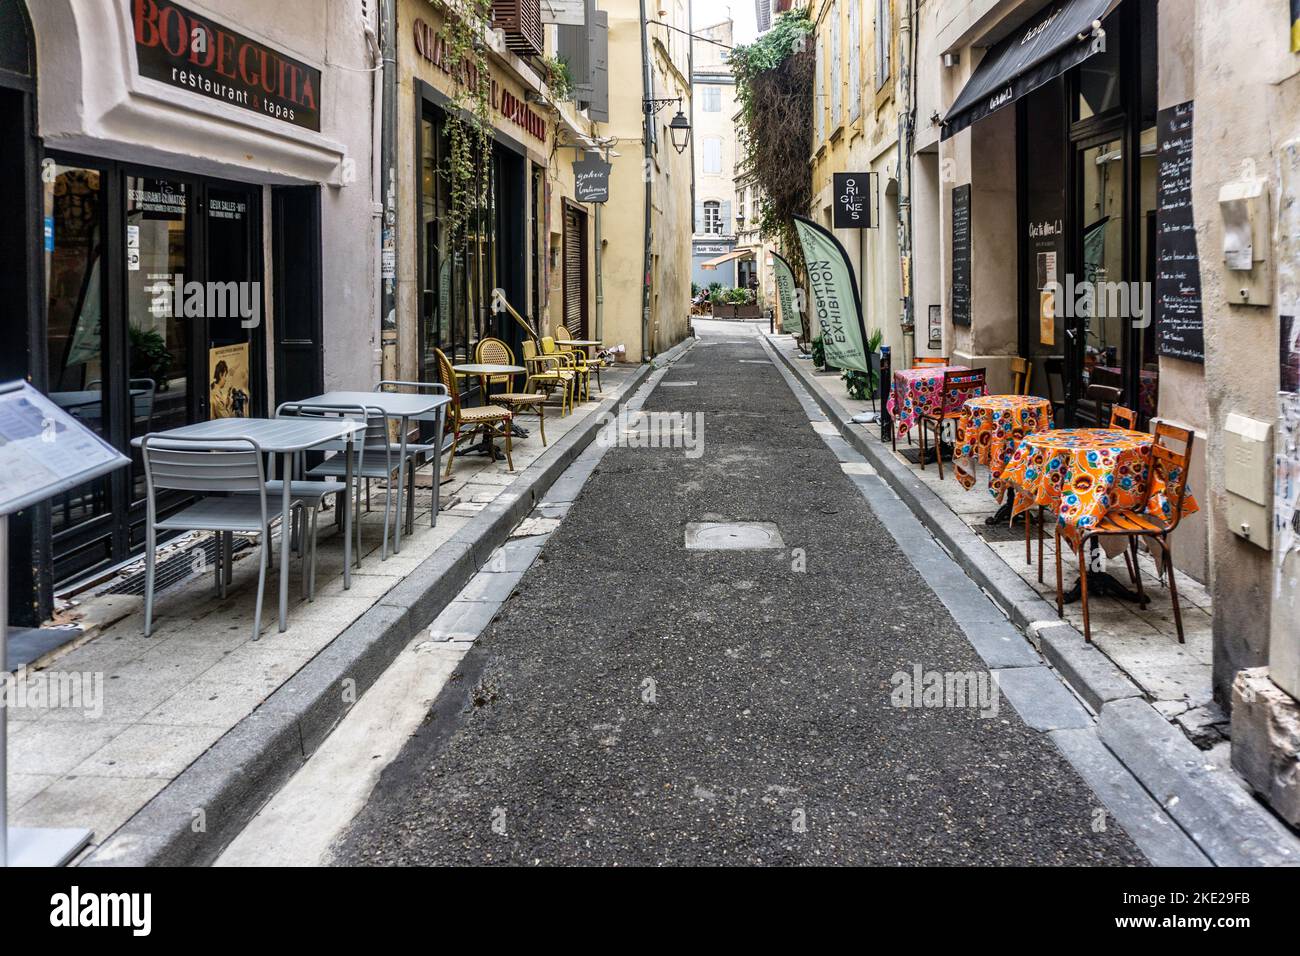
x=1044, y=48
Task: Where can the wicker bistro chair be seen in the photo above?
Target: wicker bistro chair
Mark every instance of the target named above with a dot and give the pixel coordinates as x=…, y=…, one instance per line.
x=492, y=351
x=955, y=384
x=472, y=420
x=1167, y=468
x=551, y=372
x=562, y=336
x=575, y=362
x=231, y=477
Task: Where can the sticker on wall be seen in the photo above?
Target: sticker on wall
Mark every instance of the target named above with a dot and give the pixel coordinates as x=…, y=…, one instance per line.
x=132, y=248
x=936, y=327
x=1046, y=317
x=228, y=387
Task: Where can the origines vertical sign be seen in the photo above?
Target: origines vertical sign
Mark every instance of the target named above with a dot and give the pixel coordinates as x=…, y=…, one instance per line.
x=176, y=46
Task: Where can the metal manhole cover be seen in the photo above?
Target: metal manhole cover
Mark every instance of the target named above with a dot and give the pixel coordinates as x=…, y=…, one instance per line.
x=732, y=536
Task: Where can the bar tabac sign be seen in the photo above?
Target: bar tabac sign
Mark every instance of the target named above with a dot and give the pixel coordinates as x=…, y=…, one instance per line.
x=176, y=46
x=835, y=297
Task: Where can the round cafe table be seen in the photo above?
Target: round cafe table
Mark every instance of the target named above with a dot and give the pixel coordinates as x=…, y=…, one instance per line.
x=1081, y=474
x=988, y=433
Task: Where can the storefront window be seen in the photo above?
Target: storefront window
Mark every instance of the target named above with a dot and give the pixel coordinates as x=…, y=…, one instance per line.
x=159, y=340
x=74, y=250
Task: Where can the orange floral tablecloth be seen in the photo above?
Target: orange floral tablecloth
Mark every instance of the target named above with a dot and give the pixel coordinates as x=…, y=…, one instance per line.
x=990, y=430
x=918, y=391
x=1082, y=473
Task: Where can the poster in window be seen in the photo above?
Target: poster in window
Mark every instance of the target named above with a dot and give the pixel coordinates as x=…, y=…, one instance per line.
x=228, y=381
x=936, y=327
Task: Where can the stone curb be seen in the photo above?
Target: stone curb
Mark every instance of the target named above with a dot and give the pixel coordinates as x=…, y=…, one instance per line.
x=1225, y=824
x=191, y=820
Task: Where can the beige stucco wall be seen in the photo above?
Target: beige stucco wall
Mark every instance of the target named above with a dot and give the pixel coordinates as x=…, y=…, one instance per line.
x=1247, y=105
x=865, y=142
x=670, y=181
x=562, y=126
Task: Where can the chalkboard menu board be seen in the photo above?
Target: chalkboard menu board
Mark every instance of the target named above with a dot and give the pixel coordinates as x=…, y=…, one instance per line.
x=1180, y=327
x=961, y=255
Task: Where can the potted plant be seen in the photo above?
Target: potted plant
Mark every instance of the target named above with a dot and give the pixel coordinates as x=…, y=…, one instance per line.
x=864, y=385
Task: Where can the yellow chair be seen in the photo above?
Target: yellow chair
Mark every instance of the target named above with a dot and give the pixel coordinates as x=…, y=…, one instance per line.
x=574, y=363
x=550, y=371
x=492, y=351
x=562, y=336
x=461, y=420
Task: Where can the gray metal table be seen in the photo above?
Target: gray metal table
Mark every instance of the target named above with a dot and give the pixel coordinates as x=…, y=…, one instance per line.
x=285, y=437
x=402, y=406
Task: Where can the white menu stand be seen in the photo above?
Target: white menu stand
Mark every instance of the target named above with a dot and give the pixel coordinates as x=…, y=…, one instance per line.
x=43, y=451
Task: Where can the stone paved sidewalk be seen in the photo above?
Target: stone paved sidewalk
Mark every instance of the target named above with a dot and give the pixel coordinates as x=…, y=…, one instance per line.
x=166, y=699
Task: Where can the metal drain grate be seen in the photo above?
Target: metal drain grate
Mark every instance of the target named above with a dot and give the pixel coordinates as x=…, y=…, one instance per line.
x=732, y=536
x=174, y=569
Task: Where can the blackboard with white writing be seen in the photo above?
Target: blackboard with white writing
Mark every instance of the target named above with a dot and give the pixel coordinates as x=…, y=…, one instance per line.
x=961, y=255
x=1180, y=326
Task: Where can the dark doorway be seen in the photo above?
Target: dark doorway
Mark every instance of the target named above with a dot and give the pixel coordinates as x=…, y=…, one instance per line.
x=512, y=243
x=575, y=270
x=296, y=259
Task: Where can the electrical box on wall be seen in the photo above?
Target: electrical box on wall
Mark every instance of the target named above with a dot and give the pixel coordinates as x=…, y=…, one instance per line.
x=1248, y=478
x=1243, y=206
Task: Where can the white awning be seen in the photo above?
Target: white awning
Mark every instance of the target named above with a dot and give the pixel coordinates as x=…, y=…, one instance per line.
x=733, y=254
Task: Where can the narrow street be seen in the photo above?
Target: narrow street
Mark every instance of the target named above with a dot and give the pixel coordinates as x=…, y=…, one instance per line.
x=636, y=702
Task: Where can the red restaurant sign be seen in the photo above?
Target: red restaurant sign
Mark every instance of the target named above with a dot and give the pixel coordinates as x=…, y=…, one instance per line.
x=433, y=48
x=190, y=52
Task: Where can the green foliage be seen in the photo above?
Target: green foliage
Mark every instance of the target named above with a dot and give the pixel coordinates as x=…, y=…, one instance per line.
x=774, y=87
x=818, y=352
x=150, y=357
x=559, y=77
x=863, y=385
x=469, y=121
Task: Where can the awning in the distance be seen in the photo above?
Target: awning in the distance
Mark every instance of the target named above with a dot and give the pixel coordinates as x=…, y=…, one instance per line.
x=1057, y=39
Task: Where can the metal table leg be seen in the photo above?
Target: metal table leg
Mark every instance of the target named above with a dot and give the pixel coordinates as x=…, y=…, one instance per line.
x=347, y=515
x=401, y=487
x=285, y=507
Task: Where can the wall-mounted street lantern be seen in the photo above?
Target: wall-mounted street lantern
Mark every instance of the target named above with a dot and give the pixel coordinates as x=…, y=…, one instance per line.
x=680, y=127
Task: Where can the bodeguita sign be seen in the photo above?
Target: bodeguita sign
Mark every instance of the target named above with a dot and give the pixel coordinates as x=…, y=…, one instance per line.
x=176, y=46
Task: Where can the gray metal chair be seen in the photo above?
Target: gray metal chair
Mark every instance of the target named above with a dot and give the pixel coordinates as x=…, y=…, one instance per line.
x=430, y=453
x=231, y=477
x=310, y=495
x=373, y=457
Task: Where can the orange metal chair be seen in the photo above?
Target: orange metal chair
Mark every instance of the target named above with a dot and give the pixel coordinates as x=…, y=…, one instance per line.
x=1167, y=468
x=922, y=361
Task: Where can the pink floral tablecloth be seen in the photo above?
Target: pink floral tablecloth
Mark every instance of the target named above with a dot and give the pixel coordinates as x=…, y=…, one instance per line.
x=918, y=391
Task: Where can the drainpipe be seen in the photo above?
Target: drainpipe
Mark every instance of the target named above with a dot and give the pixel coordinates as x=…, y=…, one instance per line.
x=600, y=279
x=906, y=129
x=647, y=108
x=388, y=190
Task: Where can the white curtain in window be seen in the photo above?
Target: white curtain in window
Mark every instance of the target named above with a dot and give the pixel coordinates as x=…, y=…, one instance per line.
x=855, y=59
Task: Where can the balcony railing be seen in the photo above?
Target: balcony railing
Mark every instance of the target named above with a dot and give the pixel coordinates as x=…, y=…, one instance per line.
x=521, y=22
